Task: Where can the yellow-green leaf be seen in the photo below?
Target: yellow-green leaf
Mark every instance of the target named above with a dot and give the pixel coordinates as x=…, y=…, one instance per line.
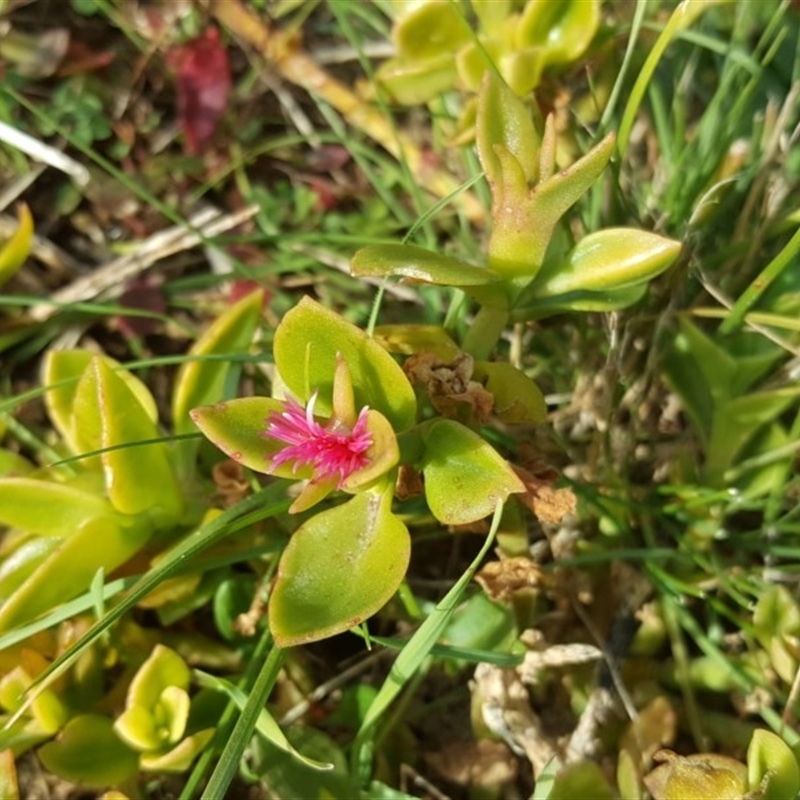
x=14, y=252
x=307, y=343
x=139, y=477
x=465, y=477
x=200, y=382
x=338, y=569
x=68, y=571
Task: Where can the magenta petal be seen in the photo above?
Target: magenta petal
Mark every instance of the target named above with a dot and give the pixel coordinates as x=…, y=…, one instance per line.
x=332, y=452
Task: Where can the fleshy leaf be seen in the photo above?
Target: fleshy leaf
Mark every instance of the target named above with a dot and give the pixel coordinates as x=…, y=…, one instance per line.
x=562, y=28
x=516, y=397
x=413, y=82
x=13, y=465
x=136, y=726
x=417, y=263
x=307, y=343
x=157, y=704
x=163, y=668
x=237, y=428
x=465, y=477
x=522, y=69
x=338, y=569
x=563, y=189
x=139, y=478
x=532, y=307
x=46, y=508
x=180, y=757
x=69, y=570
x=491, y=14
x=581, y=779
x=430, y=30
x=61, y=373
x=504, y=120
x=20, y=564
x=609, y=260
x=776, y=620
x=47, y=711
x=89, y=752
x=201, y=382
x=697, y=777
x=15, y=250
x=771, y=760
x=409, y=339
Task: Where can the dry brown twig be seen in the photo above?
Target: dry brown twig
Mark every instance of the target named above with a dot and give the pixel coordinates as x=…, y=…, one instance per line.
x=109, y=279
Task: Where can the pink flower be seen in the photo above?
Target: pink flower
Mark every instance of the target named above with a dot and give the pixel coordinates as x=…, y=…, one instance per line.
x=333, y=452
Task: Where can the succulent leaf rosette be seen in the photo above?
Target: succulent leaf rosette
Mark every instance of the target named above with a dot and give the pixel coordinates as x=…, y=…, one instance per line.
x=438, y=49
x=524, y=276
x=345, y=421
x=334, y=429
x=315, y=433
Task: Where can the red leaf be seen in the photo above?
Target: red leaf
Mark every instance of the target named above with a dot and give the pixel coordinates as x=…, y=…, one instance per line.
x=241, y=288
x=141, y=295
x=204, y=81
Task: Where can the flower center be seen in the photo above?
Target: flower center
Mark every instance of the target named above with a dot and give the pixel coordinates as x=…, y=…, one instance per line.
x=333, y=451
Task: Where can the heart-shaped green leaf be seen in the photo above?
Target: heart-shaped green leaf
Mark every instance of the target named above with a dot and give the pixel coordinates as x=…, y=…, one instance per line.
x=307, y=342
x=338, y=569
x=465, y=477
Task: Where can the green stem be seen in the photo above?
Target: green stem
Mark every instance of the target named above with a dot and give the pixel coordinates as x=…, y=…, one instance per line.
x=485, y=332
x=228, y=764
